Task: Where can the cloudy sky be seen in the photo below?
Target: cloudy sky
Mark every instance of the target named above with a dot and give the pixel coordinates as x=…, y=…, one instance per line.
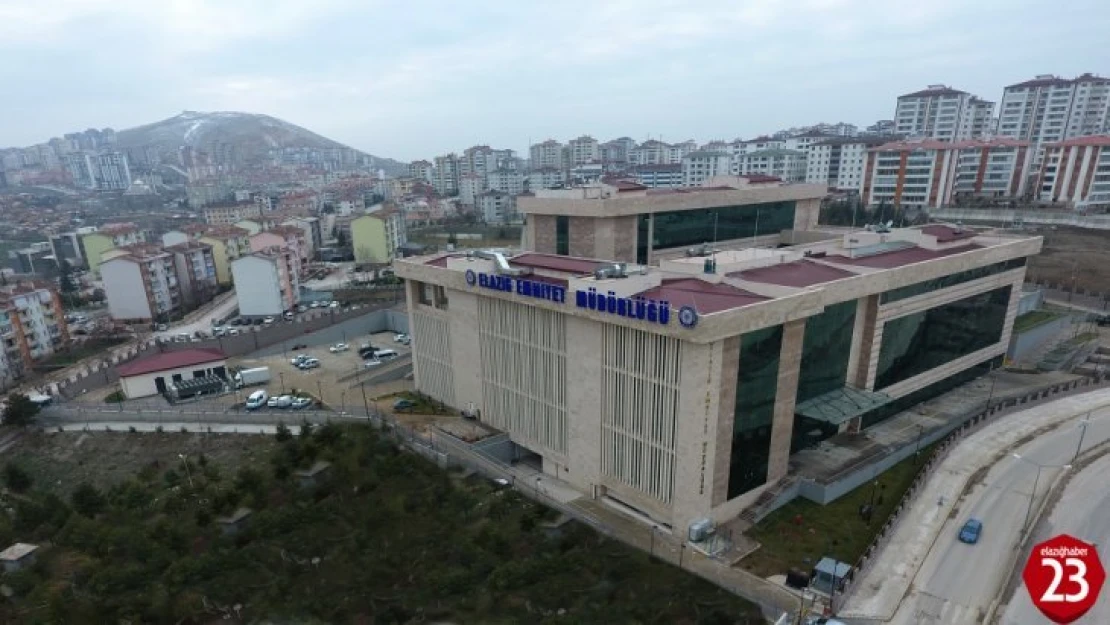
x=411, y=79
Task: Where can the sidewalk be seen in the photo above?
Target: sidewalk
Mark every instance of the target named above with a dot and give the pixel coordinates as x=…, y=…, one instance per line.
x=886, y=581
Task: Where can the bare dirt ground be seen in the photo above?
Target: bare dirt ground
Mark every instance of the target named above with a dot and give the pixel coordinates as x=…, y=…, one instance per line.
x=59, y=461
x=1073, y=252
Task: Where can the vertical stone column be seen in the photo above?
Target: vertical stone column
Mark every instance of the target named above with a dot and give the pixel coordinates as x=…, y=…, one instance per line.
x=585, y=345
x=466, y=352
x=726, y=417
x=782, y=424
x=864, y=347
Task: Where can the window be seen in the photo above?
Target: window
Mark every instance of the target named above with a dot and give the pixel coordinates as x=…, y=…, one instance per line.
x=756, y=387
x=928, y=339
x=562, y=235
x=944, y=282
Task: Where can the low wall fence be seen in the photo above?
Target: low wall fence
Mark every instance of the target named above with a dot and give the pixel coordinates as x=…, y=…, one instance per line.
x=944, y=447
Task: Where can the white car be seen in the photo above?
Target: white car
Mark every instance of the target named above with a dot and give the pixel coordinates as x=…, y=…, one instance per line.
x=339, y=347
x=402, y=338
x=308, y=363
x=298, y=359
x=386, y=354
x=257, y=399
x=333, y=305
x=268, y=320
x=372, y=363
x=233, y=331
x=316, y=304
x=280, y=401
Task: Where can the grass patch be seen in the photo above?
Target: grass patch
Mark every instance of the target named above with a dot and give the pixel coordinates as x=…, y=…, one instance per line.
x=1032, y=319
x=91, y=347
x=383, y=537
x=114, y=397
x=802, y=532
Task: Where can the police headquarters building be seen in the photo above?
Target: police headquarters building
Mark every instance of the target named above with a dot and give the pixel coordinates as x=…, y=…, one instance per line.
x=677, y=382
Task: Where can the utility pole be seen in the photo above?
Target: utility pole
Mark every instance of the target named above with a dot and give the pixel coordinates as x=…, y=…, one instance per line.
x=365, y=404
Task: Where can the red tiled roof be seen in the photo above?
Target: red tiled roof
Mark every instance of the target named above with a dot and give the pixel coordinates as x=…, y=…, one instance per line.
x=913, y=144
x=439, y=261
x=947, y=234
x=997, y=142
x=760, y=178
x=705, y=297
x=800, y=274
x=552, y=262
x=170, y=360
x=899, y=258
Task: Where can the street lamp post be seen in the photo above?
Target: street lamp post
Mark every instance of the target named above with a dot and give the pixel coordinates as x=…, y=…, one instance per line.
x=1082, y=433
x=1036, y=482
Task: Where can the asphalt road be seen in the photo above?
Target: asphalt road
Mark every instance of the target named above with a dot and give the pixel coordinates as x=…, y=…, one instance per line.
x=958, y=582
x=1084, y=512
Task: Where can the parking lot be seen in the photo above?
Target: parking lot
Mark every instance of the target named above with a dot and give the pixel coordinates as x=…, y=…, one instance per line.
x=336, y=378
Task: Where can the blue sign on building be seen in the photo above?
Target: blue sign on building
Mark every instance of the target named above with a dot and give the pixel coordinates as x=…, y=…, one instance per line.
x=639, y=308
x=520, y=286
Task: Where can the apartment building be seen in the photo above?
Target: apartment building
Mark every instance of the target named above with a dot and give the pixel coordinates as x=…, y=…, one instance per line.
x=679, y=391
x=496, y=207
x=470, y=186
x=195, y=268
x=839, y=163
x=614, y=154
x=508, y=181
x=421, y=170
x=657, y=176
x=377, y=237
x=140, y=282
x=227, y=213
x=228, y=243
x=920, y=173
x=787, y=165
x=266, y=282
x=313, y=232
x=36, y=258
x=113, y=172
x=584, y=149
x=289, y=237
x=303, y=203
x=701, y=165
x=109, y=237
x=1076, y=172
x=68, y=246
x=943, y=113
x=32, y=327
x=546, y=155
x=652, y=152
x=1050, y=109
x=546, y=178
x=445, y=176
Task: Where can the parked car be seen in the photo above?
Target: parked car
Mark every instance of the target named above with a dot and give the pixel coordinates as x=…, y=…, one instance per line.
x=372, y=362
x=237, y=321
x=258, y=322
x=316, y=304
x=301, y=402
x=268, y=320
x=309, y=363
x=297, y=346
x=233, y=332
x=182, y=337
x=301, y=308
x=161, y=327
x=971, y=531
x=339, y=347
x=402, y=338
x=298, y=359
x=386, y=354
x=333, y=305
x=287, y=315
x=257, y=399
x=218, y=330
x=280, y=401
x=404, y=404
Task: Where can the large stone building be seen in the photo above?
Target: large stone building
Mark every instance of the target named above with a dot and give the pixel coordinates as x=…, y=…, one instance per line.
x=678, y=389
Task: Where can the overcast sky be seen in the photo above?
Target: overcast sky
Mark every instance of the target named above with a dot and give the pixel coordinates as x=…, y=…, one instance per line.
x=412, y=79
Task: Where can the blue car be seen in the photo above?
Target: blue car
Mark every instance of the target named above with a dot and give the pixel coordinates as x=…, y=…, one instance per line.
x=971, y=530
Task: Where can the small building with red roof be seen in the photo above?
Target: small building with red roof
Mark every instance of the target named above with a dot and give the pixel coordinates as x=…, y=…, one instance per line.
x=156, y=375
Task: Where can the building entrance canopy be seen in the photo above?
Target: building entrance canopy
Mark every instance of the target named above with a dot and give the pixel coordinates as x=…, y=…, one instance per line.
x=841, y=405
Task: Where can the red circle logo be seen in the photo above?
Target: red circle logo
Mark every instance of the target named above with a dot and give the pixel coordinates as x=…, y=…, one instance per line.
x=1064, y=577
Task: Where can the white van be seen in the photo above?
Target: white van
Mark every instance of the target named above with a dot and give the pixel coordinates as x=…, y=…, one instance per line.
x=257, y=399
x=385, y=354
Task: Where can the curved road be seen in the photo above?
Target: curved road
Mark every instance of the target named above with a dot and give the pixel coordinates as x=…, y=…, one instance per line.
x=958, y=582
x=1084, y=512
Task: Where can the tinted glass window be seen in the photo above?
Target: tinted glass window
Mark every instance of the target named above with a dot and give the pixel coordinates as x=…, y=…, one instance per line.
x=562, y=235
x=756, y=386
x=951, y=280
x=694, y=227
x=919, y=342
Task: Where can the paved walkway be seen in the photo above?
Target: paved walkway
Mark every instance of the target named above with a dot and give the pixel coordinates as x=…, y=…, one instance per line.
x=888, y=579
